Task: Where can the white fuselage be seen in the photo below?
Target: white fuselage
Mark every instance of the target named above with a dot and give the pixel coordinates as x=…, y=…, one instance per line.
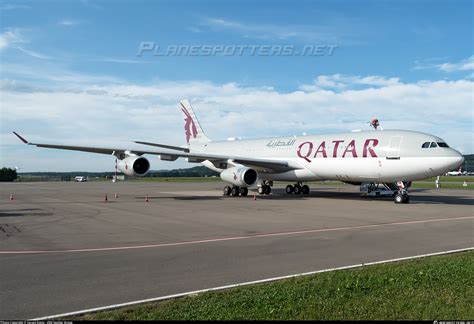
x=369, y=156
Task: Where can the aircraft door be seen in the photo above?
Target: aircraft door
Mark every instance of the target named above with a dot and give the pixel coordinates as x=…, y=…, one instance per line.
x=393, y=151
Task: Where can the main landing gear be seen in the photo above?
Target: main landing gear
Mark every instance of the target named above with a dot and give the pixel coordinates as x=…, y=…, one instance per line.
x=235, y=191
x=264, y=189
x=297, y=189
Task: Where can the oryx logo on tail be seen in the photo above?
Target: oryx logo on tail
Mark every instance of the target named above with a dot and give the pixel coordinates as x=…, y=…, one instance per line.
x=192, y=128
x=189, y=124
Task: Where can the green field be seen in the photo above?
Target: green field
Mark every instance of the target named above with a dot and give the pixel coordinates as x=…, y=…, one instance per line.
x=438, y=287
x=443, y=185
x=178, y=179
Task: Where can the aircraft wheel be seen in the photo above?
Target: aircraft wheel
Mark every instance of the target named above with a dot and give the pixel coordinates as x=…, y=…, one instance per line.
x=297, y=189
x=244, y=191
x=235, y=191
x=268, y=190
x=227, y=190
x=305, y=190
x=289, y=189
x=399, y=198
x=406, y=199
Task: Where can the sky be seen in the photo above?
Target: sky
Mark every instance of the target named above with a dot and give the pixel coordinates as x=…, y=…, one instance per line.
x=104, y=73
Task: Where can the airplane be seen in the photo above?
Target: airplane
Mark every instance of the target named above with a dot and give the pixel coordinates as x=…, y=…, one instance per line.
x=455, y=173
x=392, y=158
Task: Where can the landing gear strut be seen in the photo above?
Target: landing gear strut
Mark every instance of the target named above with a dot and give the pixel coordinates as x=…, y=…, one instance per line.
x=297, y=189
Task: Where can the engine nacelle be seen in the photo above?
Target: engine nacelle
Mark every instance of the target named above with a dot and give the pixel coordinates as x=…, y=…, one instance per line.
x=134, y=166
x=240, y=176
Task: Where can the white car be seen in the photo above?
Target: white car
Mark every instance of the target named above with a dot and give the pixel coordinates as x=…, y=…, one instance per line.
x=80, y=179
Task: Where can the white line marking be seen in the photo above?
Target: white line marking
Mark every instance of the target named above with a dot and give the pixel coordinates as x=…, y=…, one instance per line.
x=149, y=300
x=223, y=239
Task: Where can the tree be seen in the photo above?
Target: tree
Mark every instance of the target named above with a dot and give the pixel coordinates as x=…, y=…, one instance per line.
x=7, y=175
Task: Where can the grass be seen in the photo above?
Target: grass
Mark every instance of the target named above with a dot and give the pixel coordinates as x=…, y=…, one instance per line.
x=452, y=179
x=438, y=287
x=443, y=185
x=178, y=179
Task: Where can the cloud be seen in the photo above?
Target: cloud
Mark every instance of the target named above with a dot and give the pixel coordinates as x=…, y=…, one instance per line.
x=304, y=33
x=53, y=76
x=34, y=54
x=9, y=6
x=463, y=65
x=107, y=113
x=10, y=38
x=340, y=81
x=70, y=22
x=121, y=61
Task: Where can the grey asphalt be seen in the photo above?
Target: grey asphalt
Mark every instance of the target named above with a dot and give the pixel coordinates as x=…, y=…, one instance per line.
x=199, y=239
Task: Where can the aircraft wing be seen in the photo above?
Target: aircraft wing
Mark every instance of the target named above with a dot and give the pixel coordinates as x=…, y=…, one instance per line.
x=262, y=165
x=100, y=150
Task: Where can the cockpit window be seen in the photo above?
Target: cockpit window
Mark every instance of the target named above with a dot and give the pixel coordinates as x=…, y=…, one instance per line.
x=426, y=145
x=433, y=144
x=441, y=144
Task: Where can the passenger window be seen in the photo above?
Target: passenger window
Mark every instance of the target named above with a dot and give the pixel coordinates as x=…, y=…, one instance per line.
x=426, y=145
x=433, y=144
x=441, y=144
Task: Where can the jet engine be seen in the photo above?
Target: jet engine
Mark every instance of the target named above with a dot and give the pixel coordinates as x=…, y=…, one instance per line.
x=240, y=176
x=134, y=166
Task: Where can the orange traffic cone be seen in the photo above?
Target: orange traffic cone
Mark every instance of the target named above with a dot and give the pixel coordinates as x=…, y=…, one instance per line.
x=146, y=198
x=11, y=197
x=105, y=200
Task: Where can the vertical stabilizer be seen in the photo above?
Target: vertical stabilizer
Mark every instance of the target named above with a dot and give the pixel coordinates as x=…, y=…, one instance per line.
x=192, y=128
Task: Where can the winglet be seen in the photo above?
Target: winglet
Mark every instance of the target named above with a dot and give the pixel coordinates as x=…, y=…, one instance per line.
x=21, y=138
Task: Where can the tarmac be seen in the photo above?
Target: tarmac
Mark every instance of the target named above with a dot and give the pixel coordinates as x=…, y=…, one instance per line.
x=63, y=248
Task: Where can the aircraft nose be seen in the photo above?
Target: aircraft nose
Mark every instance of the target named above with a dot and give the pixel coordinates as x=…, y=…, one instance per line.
x=457, y=160
x=460, y=159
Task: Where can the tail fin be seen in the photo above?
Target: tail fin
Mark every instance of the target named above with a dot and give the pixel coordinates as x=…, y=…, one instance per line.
x=192, y=128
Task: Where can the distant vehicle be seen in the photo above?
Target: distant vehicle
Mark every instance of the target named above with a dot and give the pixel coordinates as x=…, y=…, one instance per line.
x=80, y=179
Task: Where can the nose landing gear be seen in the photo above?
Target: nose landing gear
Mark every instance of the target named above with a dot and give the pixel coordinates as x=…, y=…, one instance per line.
x=401, y=197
